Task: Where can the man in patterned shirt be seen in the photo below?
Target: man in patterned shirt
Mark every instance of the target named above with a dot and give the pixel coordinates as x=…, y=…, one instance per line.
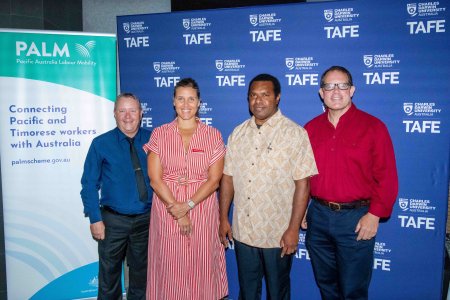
x=268, y=164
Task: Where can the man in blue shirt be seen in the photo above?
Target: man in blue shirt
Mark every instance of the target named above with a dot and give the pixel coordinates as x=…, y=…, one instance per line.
x=120, y=217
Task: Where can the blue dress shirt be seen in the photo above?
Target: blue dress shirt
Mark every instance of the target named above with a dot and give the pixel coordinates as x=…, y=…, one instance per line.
x=108, y=167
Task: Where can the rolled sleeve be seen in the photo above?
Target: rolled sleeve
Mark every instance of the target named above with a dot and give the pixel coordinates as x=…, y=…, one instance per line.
x=219, y=150
x=152, y=145
x=228, y=168
x=303, y=161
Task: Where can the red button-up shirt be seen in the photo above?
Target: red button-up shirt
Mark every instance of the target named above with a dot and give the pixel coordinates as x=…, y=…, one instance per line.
x=355, y=160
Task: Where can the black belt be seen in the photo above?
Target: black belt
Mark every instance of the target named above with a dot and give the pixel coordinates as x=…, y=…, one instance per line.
x=109, y=209
x=338, y=206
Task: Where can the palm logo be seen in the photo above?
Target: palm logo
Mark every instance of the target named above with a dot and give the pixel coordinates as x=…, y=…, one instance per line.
x=84, y=50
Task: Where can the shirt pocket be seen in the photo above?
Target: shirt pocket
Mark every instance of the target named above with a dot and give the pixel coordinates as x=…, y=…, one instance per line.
x=356, y=156
x=276, y=165
x=274, y=158
x=200, y=160
x=316, y=143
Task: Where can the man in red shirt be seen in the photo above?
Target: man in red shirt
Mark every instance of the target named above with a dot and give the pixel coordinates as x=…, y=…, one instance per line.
x=356, y=186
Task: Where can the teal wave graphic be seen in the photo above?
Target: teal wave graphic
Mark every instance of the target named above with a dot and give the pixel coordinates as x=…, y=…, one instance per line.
x=58, y=227
x=77, y=284
x=33, y=262
x=50, y=239
x=42, y=251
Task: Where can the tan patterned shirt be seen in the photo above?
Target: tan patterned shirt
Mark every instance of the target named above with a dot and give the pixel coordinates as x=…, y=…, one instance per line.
x=264, y=164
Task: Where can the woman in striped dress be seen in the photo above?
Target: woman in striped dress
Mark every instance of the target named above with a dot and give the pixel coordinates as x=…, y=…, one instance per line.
x=186, y=260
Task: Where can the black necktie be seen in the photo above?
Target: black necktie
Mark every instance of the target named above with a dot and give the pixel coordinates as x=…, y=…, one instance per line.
x=142, y=188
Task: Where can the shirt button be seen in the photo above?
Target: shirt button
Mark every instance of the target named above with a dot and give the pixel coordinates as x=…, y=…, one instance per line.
x=332, y=149
x=334, y=137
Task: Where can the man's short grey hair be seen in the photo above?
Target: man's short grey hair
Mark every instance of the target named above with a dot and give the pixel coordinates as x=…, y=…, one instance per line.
x=126, y=95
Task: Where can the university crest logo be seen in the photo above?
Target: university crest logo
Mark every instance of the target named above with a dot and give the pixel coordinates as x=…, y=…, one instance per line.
x=290, y=63
x=368, y=59
x=328, y=14
x=126, y=27
x=157, y=66
x=254, y=20
x=408, y=108
x=412, y=9
x=186, y=23
x=403, y=203
x=219, y=65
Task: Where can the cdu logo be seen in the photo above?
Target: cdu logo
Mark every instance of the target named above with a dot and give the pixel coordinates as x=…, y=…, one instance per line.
x=408, y=108
x=290, y=63
x=157, y=66
x=412, y=8
x=368, y=60
x=186, y=23
x=219, y=65
x=403, y=203
x=84, y=50
x=254, y=20
x=126, y=27
x=328, y=14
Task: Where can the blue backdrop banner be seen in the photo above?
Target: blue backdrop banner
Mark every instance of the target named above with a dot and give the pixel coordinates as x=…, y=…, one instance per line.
x=397, y=52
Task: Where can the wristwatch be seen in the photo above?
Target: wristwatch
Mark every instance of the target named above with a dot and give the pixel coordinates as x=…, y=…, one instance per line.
x=190, y=203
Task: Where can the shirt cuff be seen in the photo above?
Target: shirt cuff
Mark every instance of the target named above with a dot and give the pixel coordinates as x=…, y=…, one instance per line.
x=227, y=172
x=95, y=216
x=378, y=209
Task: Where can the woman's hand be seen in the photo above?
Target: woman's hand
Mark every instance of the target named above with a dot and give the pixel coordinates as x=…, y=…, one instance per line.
x=178, y=209
x=185, y=225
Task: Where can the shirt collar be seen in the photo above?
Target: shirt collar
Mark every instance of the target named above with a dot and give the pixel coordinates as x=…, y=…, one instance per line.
x=347, y=115
x=123, y=136
x=272, y=122
x=200, y=127
x=173, y=125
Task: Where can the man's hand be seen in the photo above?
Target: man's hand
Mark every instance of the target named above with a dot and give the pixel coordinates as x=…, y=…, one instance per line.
x=98, y=230
x=304, y=224
x=224, y=231
x=178, y=209
x=367, y=227
x=185, y=225
x=289, y=242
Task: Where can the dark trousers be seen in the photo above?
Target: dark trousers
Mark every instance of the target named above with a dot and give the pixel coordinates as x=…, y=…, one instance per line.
x=129, y=235
x=342, y=266
x=255, y=263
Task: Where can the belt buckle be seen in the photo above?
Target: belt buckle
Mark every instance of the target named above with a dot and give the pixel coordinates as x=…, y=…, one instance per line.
x=337, y=204
x=185, y=179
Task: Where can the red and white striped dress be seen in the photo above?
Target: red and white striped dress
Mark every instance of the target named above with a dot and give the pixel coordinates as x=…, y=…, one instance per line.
x=187, y=268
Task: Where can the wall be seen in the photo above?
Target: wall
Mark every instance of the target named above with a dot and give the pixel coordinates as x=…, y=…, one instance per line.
x=41, y=14
x=100, y=15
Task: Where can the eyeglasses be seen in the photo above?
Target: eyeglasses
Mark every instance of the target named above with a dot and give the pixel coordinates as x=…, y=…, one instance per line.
x=341, y=86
